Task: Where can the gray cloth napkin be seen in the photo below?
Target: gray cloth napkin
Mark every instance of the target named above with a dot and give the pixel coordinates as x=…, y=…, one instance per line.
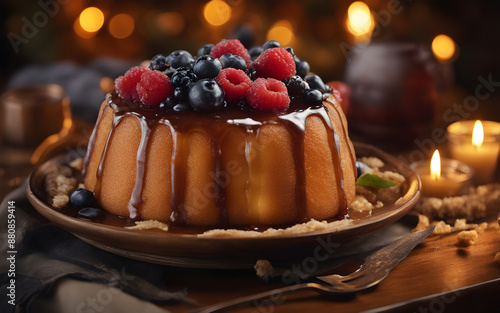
x=46, y=254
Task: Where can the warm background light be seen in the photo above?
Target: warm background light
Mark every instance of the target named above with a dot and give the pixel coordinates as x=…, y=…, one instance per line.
x=121, y=26
x=171, y=23
x=77, y=28
x=217, y=12
x=435, y=166
x=281, y=31
x=444, y=48
x=91, y=19
x=359, y=19
x=478, y=134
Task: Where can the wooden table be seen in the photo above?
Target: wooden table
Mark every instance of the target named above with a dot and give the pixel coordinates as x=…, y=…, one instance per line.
x=437, y=276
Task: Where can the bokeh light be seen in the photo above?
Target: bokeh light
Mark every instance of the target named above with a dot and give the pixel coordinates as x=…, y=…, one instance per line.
x=121, y=26
x=359, y=19
x=171, y=23
x=91, y=19
x=281, y=31
x=217, y=12
x=77, y=28
x=444, y=48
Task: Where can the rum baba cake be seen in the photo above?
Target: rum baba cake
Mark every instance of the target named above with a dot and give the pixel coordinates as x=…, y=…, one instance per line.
x=229, y=138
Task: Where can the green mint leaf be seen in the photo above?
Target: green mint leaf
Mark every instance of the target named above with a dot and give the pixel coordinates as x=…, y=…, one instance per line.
x=370, y=180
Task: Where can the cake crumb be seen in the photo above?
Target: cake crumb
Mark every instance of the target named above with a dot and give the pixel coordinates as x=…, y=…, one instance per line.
x=423, y=223
x=481, y=227
x=441, y=228
x=497, y=257
x=311, y=226
x=59, y=201
x=264, y=269
x=77, y=164
x=149, y=224
x=361, y=204
x=467, y=237
x=372, y=162
x=460, y=224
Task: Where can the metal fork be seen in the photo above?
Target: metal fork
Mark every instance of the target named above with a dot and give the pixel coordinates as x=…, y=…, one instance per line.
x=375, y=268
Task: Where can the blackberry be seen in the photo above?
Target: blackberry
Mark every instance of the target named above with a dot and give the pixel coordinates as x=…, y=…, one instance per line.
x=180, y=58
x=252, y=74
x=207, y=67
x=205, y=50
x=296, y=86
x=183, y=77
x=159, y=63
x=180, y=94
x=233, y=60
x=271, y=44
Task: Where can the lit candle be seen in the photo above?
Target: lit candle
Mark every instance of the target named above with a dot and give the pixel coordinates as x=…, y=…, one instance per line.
x=476, y=144
x=442, y=177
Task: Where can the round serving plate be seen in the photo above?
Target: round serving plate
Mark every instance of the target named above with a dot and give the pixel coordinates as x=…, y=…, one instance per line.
x=187, y=249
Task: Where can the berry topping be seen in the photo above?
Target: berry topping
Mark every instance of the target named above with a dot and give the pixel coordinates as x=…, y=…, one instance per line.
x=275, y=63
x=153, y=88
x=180, y=58
x=313, y=97
x=183, y=77
x=90, y=214
x=342, y=92
x=268, y=94
x=233, y=46
x=255, y=51
x=159, y=63
x=271, y=44
x=206, y=95
x=296, y=86
x=235, y=84
x=205, y=50
x=126, y=85
x=233, y=60
x=207, y=67
x=302, y=67
x=315, y=82
x=290, y=50
x=81, y=198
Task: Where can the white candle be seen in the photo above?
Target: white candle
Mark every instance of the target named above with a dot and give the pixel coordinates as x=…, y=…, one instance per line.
x=443, y=177
x=477, y=144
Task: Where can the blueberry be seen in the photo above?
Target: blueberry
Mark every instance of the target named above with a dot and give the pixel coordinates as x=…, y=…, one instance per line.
x=90, y=214
x=168, y=103
x=255, y=51
x=81, y=198
x=180, y=93
x=313, y=97
x=159, y=63
x=361, y=168
x=251, y=73
x=233, y=60
x=180, y=58
x=205, y=50
x=315, y=82
x=207, y=67
x=206, y=95
x=183, y=77
x=271, y=44
x=296, y=86
x=302, y=67
x=290, y=49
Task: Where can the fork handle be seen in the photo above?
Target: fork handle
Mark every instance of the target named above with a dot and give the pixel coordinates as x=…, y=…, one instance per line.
x=274, y=293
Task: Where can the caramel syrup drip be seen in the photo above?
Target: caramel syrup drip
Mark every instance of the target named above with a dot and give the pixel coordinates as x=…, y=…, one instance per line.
x=181, y=124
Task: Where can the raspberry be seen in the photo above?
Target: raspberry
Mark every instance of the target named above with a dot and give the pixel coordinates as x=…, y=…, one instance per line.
x=153, y=88
x=234, y=82
x=275, y=63
x=233, y=46
x=268, y=94
x=126, y=85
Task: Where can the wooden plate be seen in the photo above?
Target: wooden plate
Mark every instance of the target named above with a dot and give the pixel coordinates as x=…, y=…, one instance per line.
x=187, y=250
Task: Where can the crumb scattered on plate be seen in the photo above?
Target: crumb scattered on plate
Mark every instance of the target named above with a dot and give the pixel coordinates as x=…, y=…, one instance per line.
x=466, y=238
x=263, y=268
x=149, y=224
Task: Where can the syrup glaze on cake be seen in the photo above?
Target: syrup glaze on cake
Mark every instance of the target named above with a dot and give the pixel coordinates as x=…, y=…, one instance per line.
x=235, y=166
x=185, y=130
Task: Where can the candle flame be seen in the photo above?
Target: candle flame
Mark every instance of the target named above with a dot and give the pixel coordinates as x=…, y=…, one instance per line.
x=435, y=166
x=478, y=134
